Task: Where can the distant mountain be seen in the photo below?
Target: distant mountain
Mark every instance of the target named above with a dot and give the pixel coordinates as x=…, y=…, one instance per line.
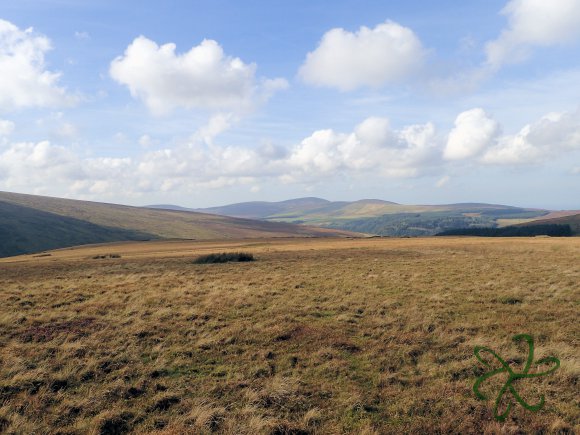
x=293, y=209
x=30, y=223
x=375, y=216
x=264, y=209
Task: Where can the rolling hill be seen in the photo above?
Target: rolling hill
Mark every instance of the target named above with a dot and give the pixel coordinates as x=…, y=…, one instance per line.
x=30, y=223
x=24, y=230
x=374, y=216
x=319, y=211
x=311, y=209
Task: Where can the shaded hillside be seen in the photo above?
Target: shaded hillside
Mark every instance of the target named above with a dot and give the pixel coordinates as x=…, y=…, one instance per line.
x=24, y=230
x=112, y=222
x=572, y=221
x=552, y=230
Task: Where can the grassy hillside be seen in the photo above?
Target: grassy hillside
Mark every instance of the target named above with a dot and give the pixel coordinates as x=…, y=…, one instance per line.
x=381, y=217
x=317, y=336
x=265, y=209
x=24, y=230
x=48, y=223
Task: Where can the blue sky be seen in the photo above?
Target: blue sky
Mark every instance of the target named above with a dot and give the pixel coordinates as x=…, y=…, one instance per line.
x=202, y=103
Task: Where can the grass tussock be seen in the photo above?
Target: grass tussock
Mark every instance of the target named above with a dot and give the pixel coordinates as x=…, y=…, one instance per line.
x=105, y=256
x=358, y=336
x=224, y=257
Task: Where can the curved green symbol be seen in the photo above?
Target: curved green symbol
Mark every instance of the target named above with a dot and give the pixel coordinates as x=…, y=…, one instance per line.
x=513, y=376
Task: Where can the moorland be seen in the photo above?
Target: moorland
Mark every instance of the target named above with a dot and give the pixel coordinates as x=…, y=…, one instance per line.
x=315, y=336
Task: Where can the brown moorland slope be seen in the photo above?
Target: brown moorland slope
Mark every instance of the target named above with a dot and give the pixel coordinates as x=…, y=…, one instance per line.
x=317, y=336
x=28, y=223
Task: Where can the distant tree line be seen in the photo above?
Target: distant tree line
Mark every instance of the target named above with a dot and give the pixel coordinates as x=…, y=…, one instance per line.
x=552, y=230
x=412, y=224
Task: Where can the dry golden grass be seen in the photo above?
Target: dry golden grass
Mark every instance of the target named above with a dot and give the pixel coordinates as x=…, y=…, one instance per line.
x=316, y=336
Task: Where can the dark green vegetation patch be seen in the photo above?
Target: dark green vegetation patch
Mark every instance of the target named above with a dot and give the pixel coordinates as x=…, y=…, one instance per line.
x=431, y=223
x=528, y=231
x=224, y=257
x=105, y=256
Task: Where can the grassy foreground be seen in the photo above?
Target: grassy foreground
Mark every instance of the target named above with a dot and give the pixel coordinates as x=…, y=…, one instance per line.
x=315, y=336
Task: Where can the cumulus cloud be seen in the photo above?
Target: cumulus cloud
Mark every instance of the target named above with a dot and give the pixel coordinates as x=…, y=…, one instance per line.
x=513, y=150
x=28, y=164
x=216, y=125
x=24, y=80
x=369, y=57
x=551, y=136
x=476, y=137
x=533, y=23
x=204, y=77
x=373, y=148
x=474, y=131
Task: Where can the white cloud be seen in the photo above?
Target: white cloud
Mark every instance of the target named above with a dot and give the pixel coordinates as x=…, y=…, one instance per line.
x=6, y=127
x=550, y=137
x=216, y=125
x=204, y=77
x=24, y=80
x=533, y=23
x=28, y=164
x=513, y=150
x=473, y=132
x=476, y=137
x=43, y=167
x=375, y=131
x=369, y=57
x=371, y=148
